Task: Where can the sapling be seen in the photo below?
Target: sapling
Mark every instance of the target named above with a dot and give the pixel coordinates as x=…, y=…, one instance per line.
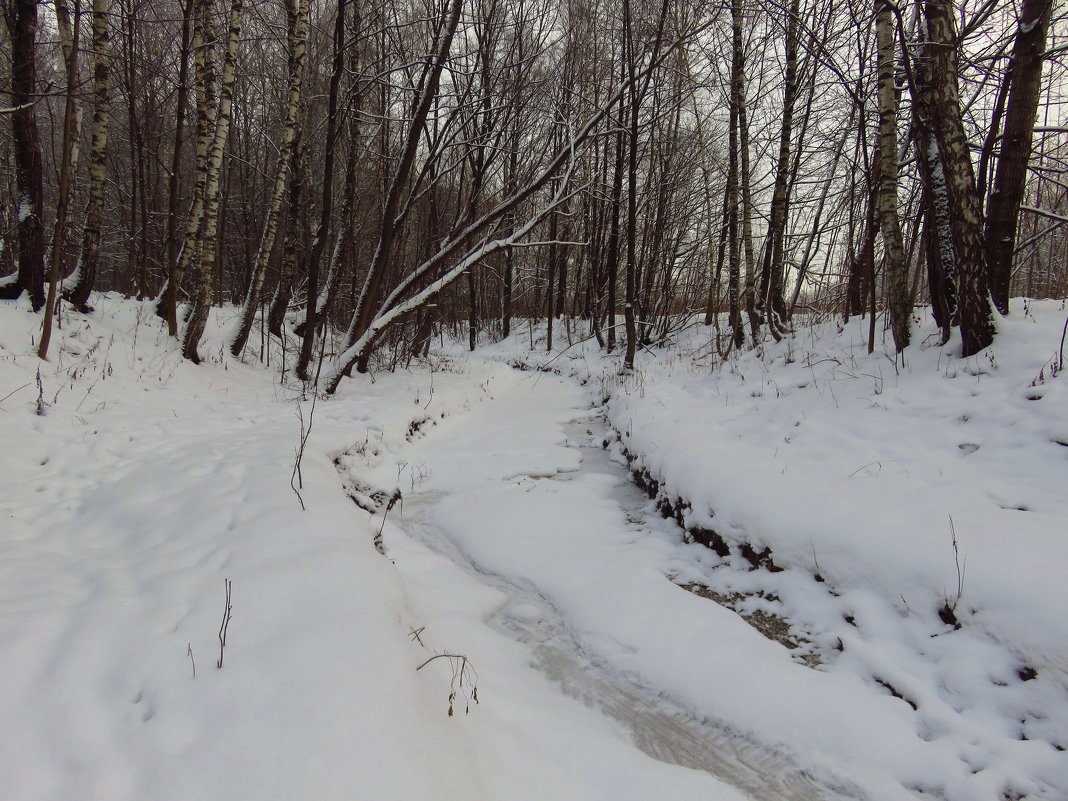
x=224, y=626
x=948, y=613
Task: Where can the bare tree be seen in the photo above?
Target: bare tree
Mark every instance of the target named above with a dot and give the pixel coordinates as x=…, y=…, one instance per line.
x=297, y=41
x=770, y=304
x=85, y=272
x=430, y=75
x=21, y=19
x=199, y=316
x=1024, y=82
x=66, y=166
x=976, y=313
x=900, y=305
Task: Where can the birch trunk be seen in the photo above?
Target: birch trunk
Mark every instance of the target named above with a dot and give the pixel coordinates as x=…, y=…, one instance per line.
x=631, y=294
x=59, y=230
x=745, y=211
x=199, y=317
x=976, y=313
x=203, y=78
x=68, y=36
x=85, y=274
x=173, y=181
x=279, y=308
x=889, y=224
x=612, y=249
x=297, y=41
x=939, y=248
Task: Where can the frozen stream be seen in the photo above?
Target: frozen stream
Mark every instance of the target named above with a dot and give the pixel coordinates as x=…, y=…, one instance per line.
x=564, y=651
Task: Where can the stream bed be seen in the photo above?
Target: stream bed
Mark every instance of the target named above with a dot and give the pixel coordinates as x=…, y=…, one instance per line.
x=657, y=726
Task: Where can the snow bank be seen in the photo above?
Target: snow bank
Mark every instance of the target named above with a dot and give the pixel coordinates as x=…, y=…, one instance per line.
x=896, y=500
x=860, y=469
x=135, y=483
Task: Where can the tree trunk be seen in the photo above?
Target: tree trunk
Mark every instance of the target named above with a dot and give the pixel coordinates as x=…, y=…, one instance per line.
x=886, y=170
x=612, y=251
x=203, y=79
x=322, y=233
x=169, y=294
x=202, y=304
x=297, y=12
x=342, y=240
x=770, y=302
x=85, y=275
x=59, y=229
x=21, y=18
x=283, y=292
x=630, y=300
x=1025, y=84
x=976, y=314
x=734, y=257
x=745, y=212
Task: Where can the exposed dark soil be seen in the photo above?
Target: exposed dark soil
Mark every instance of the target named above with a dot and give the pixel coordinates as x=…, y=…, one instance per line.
x=770, y=625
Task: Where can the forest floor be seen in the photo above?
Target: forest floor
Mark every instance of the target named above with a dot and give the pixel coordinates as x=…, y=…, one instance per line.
x=460, y=594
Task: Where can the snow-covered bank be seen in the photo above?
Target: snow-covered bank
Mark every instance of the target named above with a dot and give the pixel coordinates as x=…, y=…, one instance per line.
x=145, y=482
x=143, y=485
x=852, y=466
x=858, y=471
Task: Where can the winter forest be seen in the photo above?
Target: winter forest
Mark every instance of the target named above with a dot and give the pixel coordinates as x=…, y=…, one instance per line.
x=518, y=399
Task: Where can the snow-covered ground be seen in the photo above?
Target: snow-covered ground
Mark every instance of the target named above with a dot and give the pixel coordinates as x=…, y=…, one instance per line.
x=542, y=588
x=894, y=499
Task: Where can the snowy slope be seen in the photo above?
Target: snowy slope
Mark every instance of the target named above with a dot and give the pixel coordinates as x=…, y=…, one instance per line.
x=144, y=483
x=136, y=483
x=855, y=473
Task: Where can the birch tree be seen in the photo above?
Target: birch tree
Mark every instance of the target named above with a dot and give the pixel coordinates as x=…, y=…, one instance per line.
x=88, y=259
x=976, y=313
x=296, y=42
x=900, y=307
x=202, y=302
x=203, y=80
x=66, y=166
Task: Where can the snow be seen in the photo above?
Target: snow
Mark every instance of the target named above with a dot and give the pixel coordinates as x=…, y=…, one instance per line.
x=147, y=482
x=136, y=483
x=859, y=470
x=25, y=208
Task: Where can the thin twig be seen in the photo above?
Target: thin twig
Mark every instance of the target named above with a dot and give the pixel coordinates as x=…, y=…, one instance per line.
x=225, y=624
x=12, y=392
x=961, y=567
x=1060, y=363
